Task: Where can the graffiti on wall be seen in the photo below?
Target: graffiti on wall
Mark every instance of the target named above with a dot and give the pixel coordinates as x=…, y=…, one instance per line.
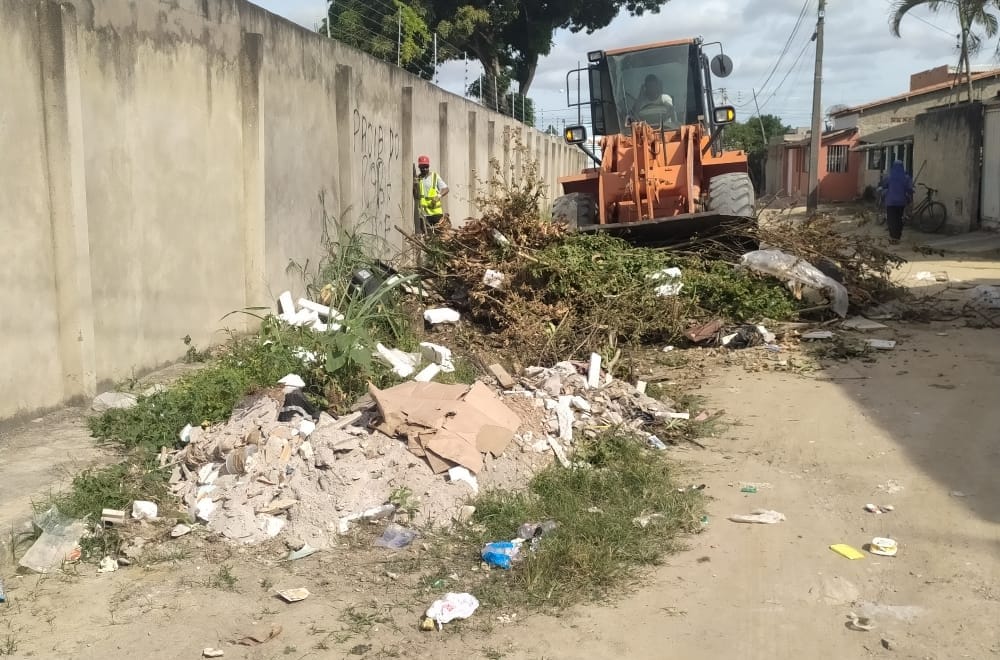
x=377, y=148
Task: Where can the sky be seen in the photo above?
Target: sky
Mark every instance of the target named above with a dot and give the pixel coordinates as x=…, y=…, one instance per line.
x=862, y=61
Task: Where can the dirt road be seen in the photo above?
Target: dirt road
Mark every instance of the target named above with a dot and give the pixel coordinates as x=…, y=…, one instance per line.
x=917, y=429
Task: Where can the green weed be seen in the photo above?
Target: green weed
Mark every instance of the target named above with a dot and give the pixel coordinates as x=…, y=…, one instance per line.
x=223, y=579
x=598, y=544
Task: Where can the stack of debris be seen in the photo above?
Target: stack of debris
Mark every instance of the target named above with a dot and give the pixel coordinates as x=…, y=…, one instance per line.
x=277, y=466
x=579, y=399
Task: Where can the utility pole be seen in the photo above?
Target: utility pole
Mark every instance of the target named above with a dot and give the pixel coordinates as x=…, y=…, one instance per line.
x=812, y=202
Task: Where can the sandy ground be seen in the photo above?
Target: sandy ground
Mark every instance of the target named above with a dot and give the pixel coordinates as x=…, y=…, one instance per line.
x=914, y=429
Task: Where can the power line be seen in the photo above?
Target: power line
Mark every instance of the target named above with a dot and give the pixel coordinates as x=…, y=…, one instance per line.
x=794, y=66
x=784, y=51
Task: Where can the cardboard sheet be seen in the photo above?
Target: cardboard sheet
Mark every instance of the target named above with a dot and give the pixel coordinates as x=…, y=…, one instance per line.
x=447, y=424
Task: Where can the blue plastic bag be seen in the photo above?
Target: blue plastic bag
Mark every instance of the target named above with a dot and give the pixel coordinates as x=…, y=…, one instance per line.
x=501, y=554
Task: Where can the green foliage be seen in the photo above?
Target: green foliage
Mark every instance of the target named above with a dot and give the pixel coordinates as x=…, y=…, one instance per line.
x=752, y=137
x=598, y=543
x=381, y=35
x=736, y=295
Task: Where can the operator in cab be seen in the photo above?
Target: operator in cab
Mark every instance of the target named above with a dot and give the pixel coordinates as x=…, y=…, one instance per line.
x=653, y=100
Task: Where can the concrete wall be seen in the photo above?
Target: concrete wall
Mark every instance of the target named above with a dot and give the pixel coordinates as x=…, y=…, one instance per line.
x=947, y=144
x=174, y=158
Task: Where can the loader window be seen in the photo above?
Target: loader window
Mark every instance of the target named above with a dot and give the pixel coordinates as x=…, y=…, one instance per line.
x=660, y=86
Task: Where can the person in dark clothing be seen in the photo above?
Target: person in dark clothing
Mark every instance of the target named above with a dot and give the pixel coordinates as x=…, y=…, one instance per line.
x=898, y=187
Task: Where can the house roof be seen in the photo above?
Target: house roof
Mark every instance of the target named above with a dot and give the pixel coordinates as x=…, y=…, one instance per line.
x=976, y=77
x=827, y=137
x=895, y=133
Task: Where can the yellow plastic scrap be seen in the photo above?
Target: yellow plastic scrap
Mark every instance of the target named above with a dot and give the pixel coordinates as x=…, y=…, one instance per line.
x=845, y=550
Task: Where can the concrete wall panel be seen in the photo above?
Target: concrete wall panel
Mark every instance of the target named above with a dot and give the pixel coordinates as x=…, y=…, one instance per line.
x=29, y=323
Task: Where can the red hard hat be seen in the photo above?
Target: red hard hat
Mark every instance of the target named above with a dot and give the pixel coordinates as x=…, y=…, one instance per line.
x=423, y=160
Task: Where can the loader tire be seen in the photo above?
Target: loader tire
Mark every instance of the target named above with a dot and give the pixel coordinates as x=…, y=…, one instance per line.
x=575, y=210
x=732, y=194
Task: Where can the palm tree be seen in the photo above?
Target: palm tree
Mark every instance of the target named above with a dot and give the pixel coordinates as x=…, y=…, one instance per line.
x=971, y=14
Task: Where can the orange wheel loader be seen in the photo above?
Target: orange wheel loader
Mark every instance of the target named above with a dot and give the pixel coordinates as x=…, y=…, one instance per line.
x=661, y=173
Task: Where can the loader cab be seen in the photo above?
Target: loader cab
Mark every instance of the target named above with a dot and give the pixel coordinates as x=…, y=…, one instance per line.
x=665, y=85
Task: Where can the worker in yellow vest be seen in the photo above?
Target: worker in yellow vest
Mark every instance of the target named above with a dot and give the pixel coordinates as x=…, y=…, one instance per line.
x=431, y=191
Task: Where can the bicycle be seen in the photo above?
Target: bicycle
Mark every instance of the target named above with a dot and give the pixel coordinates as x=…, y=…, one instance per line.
x=930, y=215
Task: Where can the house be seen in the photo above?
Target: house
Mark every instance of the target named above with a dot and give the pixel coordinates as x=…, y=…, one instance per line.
x=839, y=165
x=877, y=133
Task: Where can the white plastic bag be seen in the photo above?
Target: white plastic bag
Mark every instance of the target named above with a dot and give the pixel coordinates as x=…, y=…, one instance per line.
x=452, y=606
x=792, y=269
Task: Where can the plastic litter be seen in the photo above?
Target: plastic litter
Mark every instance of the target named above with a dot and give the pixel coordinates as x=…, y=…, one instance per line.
x=303, y=552
x=108, y=565
x=437, y=354
x=185, y=434
x=501, y=554
x=438, y=315
x=882, y=344
x=212, y=653
x=529, y=531
x=58, y=543
x=3, y=594
x=760, y=517
x=859, y=623
x=879, y=509
x=395, y=537
x=142, y=510
x=797, y=272
x=459, y=473
x=452, y=606
x=884, y=547
x=403, y=364
x=655, y=442
x=986, y=296
x=672, y=287
x=847, y=551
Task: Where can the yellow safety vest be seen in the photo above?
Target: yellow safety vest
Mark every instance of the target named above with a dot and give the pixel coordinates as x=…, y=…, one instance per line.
x=430, y=198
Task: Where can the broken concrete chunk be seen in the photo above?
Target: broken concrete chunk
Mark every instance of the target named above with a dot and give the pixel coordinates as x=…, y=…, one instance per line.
x=114, y=400
x=277, y=506
x=862, y=324
x=325, y=458
x=179, y=530
x=112, y=516
x=503, y=377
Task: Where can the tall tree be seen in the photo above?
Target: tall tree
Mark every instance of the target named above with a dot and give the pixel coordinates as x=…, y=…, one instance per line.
x=970, y=13
x=399, y=36
x=515, y=33
x=752, y=136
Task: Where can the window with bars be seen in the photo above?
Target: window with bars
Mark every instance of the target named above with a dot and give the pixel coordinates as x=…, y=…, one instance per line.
x=836, y=158
x=876, y=159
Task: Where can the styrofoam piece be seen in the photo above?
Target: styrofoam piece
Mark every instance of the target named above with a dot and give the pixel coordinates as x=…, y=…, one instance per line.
x=286, y=304
x=493, y=278
x=402, y=363
x=292, y=380
x=438, y=354
x=438, y=315
x=428, y=373
x=459, y=473
x=594, y=372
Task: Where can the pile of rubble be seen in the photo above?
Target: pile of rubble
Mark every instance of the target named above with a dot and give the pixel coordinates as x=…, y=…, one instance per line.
x=581, y=401
x=279, y=467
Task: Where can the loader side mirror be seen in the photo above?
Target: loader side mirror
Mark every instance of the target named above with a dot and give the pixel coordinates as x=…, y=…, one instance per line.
x=725, y=114
x=575, y=135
